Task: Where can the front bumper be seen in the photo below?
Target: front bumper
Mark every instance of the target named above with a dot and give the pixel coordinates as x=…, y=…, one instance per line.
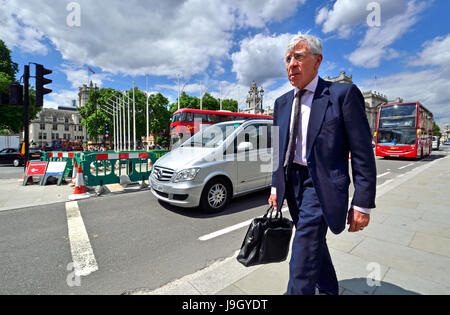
x=183, y=194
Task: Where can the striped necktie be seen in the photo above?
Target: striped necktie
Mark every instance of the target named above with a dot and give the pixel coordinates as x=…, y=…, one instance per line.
x=293, y=136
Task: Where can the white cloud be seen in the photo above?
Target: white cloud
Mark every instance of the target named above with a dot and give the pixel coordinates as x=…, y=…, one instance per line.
x=60, y=98
x=431, y=86
x=138, y=37
x=260, y=58
x=347, y=13
x=256, y=13
x=374, y=47
x=77, y=77
x=16, y=35
x=436, y=53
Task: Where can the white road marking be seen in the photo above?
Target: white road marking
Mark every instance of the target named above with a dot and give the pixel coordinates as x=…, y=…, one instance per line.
x=405, y=166
x=383, y=174
x=80, y=246
x=231, y=228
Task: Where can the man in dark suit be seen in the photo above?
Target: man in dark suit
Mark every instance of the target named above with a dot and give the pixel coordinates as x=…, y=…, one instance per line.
x=319, y=124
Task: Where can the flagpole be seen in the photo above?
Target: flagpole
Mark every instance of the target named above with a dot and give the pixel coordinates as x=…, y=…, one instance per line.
x=147, y=131
x=134, y=120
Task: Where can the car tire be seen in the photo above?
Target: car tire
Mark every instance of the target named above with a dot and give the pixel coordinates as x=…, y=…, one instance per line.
x=215, y=196
x=16, y=162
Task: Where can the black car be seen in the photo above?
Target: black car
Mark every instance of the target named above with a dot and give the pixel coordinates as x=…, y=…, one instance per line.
x=11, y=156
x=14, y=157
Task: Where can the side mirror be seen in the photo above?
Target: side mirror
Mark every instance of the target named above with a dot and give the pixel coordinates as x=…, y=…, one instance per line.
x=245, y=146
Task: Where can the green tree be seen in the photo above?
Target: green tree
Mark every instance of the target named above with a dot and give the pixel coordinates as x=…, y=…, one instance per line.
x=436, y=130
x=230, y=105
x=208, y=103
x=96, y=113
x=11, y=117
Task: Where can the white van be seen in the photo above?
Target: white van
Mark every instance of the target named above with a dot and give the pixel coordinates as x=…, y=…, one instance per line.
x=435, y=145
x=218, y=163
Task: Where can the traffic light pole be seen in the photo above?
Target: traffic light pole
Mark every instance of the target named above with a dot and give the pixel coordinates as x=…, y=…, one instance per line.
x=26, y=112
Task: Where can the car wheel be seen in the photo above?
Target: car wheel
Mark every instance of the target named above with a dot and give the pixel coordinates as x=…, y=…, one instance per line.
x=16, y=162
x=215, y=196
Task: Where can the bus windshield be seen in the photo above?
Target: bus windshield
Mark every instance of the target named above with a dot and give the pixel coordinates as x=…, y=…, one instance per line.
x=397, y=125
x=397, y=136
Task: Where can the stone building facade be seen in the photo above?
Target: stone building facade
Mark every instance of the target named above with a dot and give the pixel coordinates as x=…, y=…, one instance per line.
x=254, y=101
x=372, y=99
x=51, y=124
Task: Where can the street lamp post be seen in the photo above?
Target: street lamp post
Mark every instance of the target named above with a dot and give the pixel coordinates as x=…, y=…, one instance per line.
x=134, y=120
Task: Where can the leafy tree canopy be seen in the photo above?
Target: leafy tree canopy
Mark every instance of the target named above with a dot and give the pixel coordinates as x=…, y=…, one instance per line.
x=11, y=117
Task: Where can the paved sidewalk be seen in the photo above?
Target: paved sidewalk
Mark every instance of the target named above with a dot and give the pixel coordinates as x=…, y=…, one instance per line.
x=404, y=250
x=13, y=195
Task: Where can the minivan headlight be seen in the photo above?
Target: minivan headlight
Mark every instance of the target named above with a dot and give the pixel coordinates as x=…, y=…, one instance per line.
x=186, y=175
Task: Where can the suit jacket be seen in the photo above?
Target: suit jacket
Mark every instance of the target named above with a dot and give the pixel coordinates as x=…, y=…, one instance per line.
x=337, y=125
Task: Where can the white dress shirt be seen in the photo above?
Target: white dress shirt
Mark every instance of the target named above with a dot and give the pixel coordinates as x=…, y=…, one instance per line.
x=300, y=150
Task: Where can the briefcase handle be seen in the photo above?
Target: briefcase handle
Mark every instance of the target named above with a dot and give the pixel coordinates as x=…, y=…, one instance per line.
x=271, y=209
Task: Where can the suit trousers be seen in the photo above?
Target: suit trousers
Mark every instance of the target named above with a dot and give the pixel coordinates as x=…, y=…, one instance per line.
x=310, y=265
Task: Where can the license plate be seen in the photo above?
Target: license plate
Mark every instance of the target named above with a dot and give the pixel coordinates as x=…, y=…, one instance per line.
x=395, y=155
x=157, y=187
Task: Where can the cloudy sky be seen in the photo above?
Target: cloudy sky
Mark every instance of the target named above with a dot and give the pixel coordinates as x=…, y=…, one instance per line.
x=223, y=45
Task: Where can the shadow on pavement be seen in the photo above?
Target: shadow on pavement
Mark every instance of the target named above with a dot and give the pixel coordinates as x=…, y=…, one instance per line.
x=360, y=286
x=238, y=204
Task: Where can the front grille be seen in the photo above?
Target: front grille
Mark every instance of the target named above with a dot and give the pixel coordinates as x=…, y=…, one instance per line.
x=162, y=174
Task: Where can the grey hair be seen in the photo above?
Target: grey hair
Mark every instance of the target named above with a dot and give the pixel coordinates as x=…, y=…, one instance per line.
x=313, y=42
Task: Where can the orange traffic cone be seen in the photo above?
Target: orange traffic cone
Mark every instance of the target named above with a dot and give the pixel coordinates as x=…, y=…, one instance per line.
x=74, y=173
x=80, y=191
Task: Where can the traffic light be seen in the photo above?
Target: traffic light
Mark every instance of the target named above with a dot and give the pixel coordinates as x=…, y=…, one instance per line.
x=40, y=82
x=106, y=130
x=15, y=94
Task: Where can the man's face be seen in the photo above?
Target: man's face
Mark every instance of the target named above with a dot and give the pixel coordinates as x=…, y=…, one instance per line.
x=302, y=66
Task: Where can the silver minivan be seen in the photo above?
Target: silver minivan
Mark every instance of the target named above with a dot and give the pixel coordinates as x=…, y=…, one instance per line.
x=218, y=163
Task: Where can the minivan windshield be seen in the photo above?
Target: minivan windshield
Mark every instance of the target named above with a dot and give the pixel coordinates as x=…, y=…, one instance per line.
x=211, y=136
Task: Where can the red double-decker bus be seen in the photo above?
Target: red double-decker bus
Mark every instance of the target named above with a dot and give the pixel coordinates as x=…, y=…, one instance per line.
x=191, y=119
x=404, y=130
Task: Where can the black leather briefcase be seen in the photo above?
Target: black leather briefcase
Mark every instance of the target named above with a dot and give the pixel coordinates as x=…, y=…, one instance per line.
x=267, y=240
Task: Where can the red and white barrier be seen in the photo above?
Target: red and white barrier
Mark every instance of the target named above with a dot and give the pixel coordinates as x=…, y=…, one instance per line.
x=121, y=156
x=61, y=154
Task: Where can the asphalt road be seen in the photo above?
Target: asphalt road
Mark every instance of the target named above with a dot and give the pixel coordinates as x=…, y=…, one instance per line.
x=137, y=241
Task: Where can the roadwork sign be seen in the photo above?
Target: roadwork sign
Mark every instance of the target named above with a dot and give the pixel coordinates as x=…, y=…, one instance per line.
x=55, y=169
x=35, y=169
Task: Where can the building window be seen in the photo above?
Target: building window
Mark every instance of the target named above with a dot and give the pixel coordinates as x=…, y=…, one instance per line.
x=44, y=136
x=42, y=126
x=66, y=128
x=42, y=118
x=40, y=135
x=66, y=119
x=54, y=119
x=53, y=136
x=55, y=127
x=80, y=128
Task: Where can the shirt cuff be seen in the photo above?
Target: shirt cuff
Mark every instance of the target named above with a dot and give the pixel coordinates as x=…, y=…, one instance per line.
x=363, y=210
x=273, y=191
